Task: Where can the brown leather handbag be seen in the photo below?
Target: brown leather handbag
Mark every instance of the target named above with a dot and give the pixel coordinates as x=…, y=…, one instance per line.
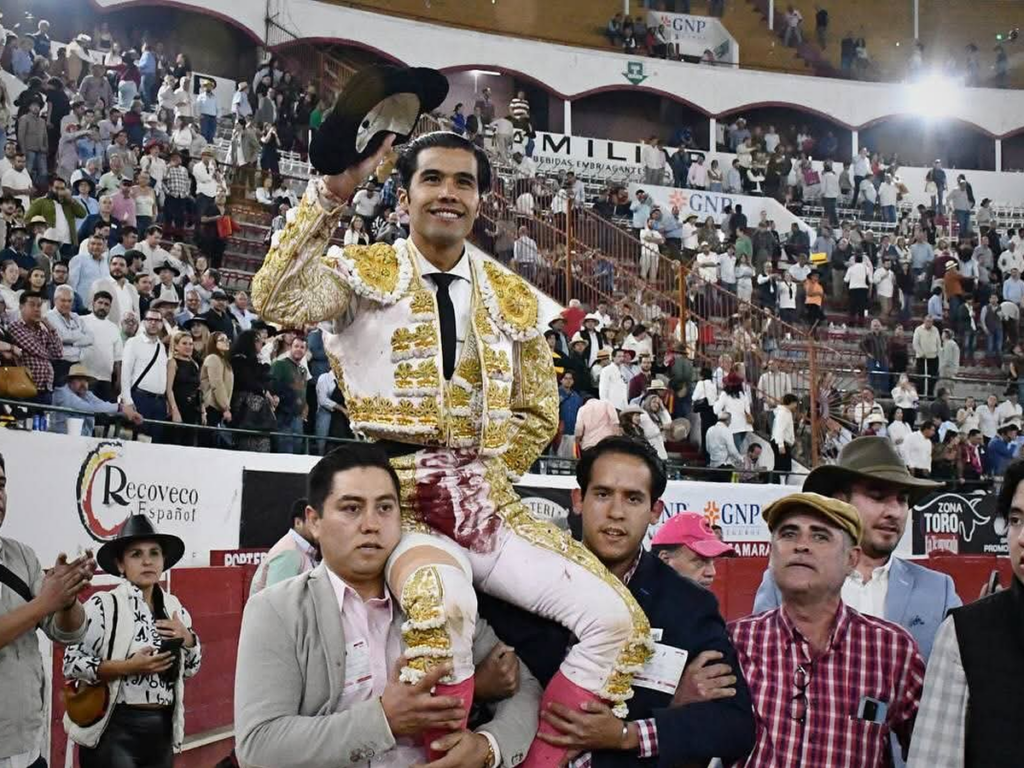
x=86, y=703
x=15, y=383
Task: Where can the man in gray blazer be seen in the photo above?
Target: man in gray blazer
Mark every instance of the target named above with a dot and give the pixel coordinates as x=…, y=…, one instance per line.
x=317, y=685
x=870, y=475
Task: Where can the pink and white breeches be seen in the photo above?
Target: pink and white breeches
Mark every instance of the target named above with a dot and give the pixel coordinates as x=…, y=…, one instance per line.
x=499, y=548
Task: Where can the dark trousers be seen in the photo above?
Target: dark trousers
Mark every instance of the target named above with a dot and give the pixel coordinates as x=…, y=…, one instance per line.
x=174, y=212
x=134, y=738
x=151, y=406
x=783, y=462
x=104, y=390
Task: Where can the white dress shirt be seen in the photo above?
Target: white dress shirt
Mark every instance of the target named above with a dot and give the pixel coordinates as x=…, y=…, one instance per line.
x=460, y=291
x=917, y=451
x=868, y=597
x=107, y=348
x=898, y=432
x=138, y=351
x=783, y=433
x=988, y=420
x=612, y=386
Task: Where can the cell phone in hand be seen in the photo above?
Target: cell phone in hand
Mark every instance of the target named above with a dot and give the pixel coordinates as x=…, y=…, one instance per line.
x=170, y=644
x=993, y=582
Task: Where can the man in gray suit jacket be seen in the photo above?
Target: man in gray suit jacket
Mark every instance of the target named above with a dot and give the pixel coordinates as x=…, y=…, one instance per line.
x=870, y=475
x=317, y=685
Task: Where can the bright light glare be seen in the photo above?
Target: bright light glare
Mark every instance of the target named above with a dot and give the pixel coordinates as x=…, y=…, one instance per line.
x=933, y=96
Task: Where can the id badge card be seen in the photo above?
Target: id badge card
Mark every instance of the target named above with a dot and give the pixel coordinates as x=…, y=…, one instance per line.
x=357, y=667
x=664, y=669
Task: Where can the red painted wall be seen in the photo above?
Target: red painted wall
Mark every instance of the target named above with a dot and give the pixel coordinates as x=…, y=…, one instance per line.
x=216, y=596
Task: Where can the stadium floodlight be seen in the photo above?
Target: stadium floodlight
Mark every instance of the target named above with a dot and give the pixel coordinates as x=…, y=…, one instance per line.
x=933, y=96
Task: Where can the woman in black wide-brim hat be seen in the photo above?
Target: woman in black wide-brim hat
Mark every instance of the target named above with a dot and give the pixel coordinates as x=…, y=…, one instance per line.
x=144, y=720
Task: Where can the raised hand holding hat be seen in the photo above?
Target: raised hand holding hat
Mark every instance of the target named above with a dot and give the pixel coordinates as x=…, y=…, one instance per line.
x=378, y=108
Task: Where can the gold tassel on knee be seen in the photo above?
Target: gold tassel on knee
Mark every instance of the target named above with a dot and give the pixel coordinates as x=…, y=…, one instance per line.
x=426, y=631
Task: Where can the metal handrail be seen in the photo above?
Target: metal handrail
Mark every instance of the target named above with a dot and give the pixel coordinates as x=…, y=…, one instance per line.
x=544, y=465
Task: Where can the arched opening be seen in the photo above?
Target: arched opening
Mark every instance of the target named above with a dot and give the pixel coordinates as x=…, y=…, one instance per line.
x=920, y=140
x=1013, y=152
x=633, y=115
x=466, y=86
x=790, y=123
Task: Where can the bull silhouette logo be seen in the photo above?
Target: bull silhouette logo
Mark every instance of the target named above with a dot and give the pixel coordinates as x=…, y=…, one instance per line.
x=950, y=502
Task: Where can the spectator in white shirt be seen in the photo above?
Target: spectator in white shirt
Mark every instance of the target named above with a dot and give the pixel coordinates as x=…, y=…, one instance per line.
x=144, y=373
x=650, y=242
x=653, y=158
x=697, y=178
x=784, y=434
x=612, y=386
x=720, y=445
x=988, y=417
x=575, y=189
x=898, y=432
x=917, y=450
x=858, y=280
x=366, y=201
x=888, y=193
x=927, y=343
x=792, y=34
x=103, y=358
x=1010, y=408
x=326, y=406
x=884, y=281
x=525, y=255
x=736, y=401
x=829, y=192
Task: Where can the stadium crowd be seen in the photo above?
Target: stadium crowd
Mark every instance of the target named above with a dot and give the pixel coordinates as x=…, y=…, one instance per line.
x=113, y=305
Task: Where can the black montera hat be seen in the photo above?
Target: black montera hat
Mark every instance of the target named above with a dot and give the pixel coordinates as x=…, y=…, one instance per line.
x=376, y=101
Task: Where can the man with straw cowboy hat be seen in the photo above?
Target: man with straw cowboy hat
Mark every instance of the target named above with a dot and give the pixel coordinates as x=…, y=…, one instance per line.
x=870, y=475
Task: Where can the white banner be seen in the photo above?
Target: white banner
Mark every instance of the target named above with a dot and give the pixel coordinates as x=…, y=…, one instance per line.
x=66, y=494
x=703, y=204
x=556, y=152
x=692, y=35
x=736, y=507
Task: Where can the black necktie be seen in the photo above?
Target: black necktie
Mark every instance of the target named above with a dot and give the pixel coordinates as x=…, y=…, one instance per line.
x=446, y=312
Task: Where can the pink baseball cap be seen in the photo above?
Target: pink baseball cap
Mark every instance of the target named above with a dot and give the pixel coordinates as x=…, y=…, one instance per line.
x=692, y=530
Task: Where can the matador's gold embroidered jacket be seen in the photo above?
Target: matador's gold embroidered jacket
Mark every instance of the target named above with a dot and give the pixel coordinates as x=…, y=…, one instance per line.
x=385, y=343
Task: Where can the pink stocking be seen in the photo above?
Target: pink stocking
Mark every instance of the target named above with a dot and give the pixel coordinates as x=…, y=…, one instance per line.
x=464, y=691
x=560, y=690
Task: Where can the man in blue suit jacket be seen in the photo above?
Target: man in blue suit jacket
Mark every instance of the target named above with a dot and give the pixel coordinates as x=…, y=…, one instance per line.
x=621, y=482
x=870, y=475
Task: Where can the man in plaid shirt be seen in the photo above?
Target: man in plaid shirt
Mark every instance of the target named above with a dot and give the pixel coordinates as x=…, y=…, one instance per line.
x=177, y=189
x=39, y=342
x=973, y=703
x=828, y=684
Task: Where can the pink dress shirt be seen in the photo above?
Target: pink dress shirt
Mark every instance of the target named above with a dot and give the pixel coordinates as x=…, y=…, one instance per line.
x=124, y=210
x=373, y=643
x=596, y=420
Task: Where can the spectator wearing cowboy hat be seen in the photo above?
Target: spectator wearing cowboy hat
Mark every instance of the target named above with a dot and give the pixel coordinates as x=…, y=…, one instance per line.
x=60, y=211
x=166, y=290
x=141, y=643
x=591, y=333
x=75, y=394
x=557, y=324
x=1001, y=448
x=217, y=317
x=577, y=364
x=870, y=475
x=687, y=544
x=972, y=706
